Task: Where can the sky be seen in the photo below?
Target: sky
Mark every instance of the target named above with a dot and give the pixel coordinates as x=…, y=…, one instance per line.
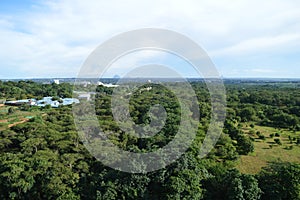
x=243, y=38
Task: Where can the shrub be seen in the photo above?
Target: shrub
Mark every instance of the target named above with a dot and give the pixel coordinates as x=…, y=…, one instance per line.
x=277, y=141
x=262, y=137
x=11, y=110
x=251, y=132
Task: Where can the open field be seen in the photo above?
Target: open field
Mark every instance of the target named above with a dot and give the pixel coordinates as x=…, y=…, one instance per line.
x=8, y=120
x=266, y=150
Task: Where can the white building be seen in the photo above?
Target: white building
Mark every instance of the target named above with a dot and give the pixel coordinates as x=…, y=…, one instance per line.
x=85, y=96
x=56, y=81
x=107, y=85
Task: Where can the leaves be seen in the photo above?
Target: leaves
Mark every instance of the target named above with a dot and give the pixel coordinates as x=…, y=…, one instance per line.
x=45, y=159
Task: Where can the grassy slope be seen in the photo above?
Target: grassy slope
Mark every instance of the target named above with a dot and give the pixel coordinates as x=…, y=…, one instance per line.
x=17, y=117
x=267, y=151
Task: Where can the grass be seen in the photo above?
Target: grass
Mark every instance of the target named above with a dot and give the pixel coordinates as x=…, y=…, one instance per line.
x=267, y=150
x=18, y=116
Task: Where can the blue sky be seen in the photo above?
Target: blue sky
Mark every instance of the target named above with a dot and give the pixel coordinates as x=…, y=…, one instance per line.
x=15, y=6
x=245, y=38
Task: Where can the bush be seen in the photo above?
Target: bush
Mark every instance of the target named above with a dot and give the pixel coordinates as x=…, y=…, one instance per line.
x=272, y=135
x=47, y=106
x=251, y=132
x=262, y=137
x=277, y=141
x=277, y=134
x=25, y=107
x=245, y=145
x=11, y=110
x=258, y=133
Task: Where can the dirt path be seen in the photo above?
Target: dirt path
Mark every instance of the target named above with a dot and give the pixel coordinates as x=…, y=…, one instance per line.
x=23, y=120
x=16, y=123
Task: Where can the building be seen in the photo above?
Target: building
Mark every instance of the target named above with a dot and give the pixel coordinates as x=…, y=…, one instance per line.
x=107, y=85
x=21, y=102
x=43, y=102
x=56, y=81
x=85, y=96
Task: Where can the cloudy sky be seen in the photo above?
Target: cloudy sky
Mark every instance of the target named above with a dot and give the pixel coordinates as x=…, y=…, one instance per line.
x=244, y=38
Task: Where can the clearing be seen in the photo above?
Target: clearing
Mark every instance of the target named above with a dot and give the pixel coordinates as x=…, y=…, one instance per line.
x=267, y=150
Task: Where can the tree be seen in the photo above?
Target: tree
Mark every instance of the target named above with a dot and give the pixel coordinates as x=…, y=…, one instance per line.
x=47, y=107
x=184, y=179
x=280, y=181
x=16, y=177
x=247, y=114
x=277, y=141
x=11, y=110
x=231, y=184
x=245, y=145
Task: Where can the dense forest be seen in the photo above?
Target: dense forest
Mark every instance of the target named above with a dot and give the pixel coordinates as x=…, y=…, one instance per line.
x=44, y=158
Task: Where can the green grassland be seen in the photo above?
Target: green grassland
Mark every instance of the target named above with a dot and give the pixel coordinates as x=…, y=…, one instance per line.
x=8, y=119
x=267, y=150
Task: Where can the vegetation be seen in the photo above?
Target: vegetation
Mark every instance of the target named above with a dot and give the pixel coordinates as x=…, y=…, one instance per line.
x=28, y=89
x=256, y=157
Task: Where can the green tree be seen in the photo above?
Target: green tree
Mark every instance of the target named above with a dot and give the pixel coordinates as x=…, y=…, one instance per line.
x=280, y=181
x=247, y=114
x=230, y=184
x=245, y=145
x=11, y=110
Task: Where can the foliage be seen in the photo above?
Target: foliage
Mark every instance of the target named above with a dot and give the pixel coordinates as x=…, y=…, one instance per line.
x=45, y=159
x=280, y=181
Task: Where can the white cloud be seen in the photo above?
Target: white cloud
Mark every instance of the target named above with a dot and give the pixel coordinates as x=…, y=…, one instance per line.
x=261, y=70
x=261, y=44
x=56, y=36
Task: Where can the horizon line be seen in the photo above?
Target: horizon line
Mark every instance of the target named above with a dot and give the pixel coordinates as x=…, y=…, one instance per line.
x=40, y=78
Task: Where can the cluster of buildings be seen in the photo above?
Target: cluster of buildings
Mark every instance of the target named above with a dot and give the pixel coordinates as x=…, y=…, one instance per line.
x=87, y=83
x=43, y=102
x=56, y=102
